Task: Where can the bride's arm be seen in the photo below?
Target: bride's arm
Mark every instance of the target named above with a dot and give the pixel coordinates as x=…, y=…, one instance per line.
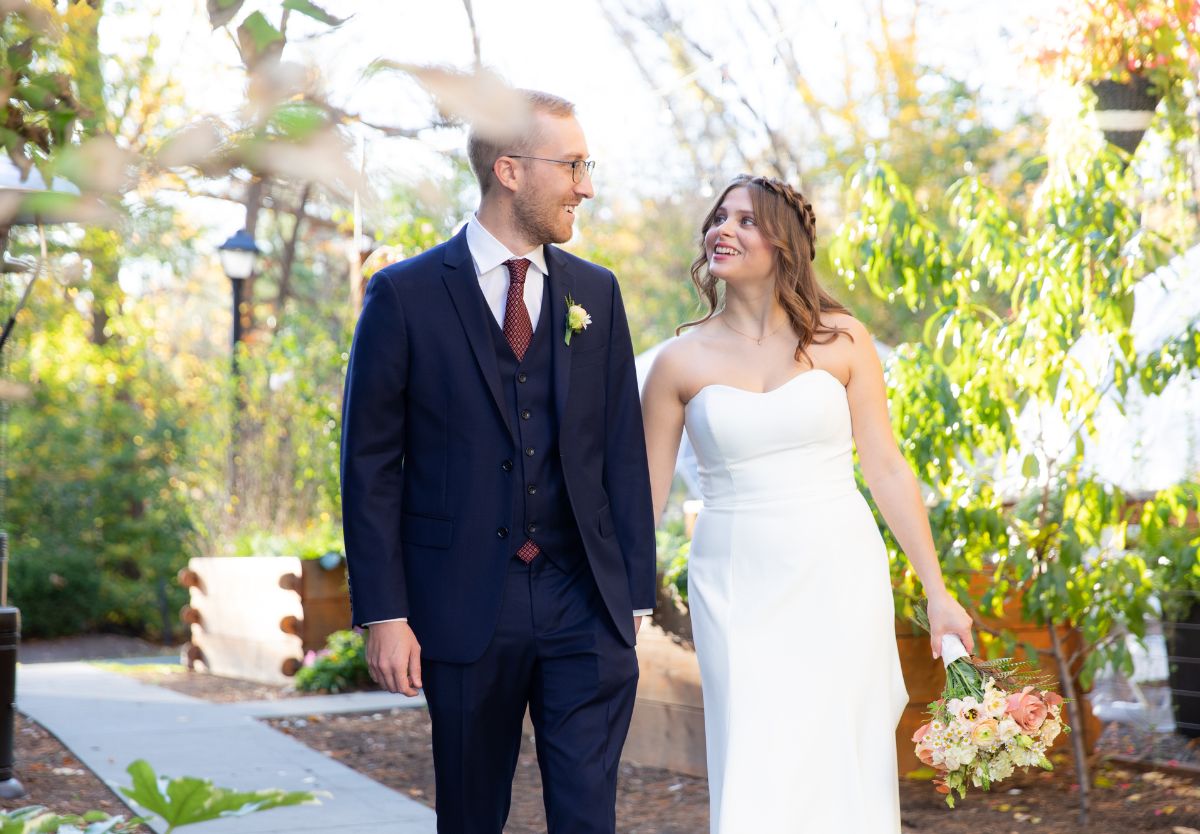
x=894, y=487
x=662, y=416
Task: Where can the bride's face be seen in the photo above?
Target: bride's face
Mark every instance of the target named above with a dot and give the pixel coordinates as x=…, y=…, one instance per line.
x=735, y=247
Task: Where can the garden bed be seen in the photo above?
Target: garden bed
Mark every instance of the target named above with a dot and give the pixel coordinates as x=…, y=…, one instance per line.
x=56, y=779
x=394, y=748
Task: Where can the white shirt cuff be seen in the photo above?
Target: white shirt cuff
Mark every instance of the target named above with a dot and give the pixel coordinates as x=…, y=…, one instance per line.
x=392, y=620
x=643, y=612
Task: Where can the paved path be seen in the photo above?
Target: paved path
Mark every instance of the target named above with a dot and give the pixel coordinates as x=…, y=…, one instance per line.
x=109, y=720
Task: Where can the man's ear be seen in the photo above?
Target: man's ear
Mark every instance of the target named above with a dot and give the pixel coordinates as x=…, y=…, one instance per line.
x=506, y=172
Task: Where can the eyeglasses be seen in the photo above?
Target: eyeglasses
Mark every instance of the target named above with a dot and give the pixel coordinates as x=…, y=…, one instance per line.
x=578, y=166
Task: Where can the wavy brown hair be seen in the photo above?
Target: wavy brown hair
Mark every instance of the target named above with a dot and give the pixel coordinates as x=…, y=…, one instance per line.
x=787, y=221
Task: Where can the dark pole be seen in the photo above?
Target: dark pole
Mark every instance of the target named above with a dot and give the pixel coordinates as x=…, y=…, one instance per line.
x=10, y=636
x=10, y=617
x=235, y=373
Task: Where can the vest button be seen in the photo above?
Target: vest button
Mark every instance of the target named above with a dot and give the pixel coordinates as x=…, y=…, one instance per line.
x=531, y=528
x=502, y=532
x=522, y=377
x=531, y=489
x=526, y=414
x=506, y=466
x=529, y=452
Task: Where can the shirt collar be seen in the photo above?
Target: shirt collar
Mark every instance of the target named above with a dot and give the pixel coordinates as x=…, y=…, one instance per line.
x=489, y=253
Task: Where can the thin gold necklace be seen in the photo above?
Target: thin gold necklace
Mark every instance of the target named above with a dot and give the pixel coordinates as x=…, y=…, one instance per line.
x=758, y=340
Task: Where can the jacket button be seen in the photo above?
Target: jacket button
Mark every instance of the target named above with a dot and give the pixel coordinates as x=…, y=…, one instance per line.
x=506, y=466
x=531, y=489
x=531, y=528
x=522, y=377
x=529, y=452
x=526, y=414
x=502, y=532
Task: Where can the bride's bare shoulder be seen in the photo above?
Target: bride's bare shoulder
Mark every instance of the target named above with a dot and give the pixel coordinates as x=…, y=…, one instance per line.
x=679, y=357
x=846, y=323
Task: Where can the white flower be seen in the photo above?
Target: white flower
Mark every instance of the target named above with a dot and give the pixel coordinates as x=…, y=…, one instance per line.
x=1001, y=767
x=994, y=702
x=967, y=710
x=1009, y=729
x=1049, y=732
x=578, y=318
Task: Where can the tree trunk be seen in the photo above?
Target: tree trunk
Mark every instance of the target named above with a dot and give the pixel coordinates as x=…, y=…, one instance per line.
x=1067, y=681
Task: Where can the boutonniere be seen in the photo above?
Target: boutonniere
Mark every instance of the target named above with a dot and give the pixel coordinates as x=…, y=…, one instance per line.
x=577, y=320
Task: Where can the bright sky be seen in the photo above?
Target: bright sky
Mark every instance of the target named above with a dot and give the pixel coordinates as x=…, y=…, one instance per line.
x=568, y=48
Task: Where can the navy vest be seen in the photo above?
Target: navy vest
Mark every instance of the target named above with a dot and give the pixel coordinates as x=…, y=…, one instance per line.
x=541, y=509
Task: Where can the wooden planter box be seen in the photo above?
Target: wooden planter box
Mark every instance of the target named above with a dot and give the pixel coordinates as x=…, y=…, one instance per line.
x=254, y=617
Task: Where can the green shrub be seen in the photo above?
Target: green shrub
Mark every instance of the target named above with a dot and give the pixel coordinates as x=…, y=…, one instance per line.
x=58, y=592
x=340, y=666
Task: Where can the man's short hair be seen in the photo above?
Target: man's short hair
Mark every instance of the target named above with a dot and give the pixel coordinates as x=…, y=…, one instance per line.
x=484, y=150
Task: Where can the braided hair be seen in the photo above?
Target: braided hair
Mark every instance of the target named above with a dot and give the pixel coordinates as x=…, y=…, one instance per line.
x=787, y=221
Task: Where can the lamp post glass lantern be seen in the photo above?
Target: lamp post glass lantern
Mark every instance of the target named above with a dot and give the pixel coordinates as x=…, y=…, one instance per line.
x=238, y=255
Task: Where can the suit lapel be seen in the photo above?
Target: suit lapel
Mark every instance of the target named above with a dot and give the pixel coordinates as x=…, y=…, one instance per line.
x=559, y=285
x=461, y=282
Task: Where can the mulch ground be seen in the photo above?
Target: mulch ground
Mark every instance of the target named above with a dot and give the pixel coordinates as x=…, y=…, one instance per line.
x=394, y=748
x=52, y=777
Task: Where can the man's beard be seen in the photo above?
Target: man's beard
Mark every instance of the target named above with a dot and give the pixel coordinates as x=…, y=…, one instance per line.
x=538, y=219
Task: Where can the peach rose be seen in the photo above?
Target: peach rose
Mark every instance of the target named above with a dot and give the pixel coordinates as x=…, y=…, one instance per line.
x=925, y=754
x=985, y=733
x=1052, y=699
x=920, y=733
x=1027, y=709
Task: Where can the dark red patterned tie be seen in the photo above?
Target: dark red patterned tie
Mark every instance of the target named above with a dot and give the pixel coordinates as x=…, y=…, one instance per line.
x=519, y=332
x=517, y=327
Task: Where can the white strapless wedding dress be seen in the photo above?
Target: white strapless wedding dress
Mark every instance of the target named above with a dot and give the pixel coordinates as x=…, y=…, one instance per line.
x=792, y=615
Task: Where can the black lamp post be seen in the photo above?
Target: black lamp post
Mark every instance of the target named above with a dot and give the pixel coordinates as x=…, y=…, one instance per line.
x=19, y=193
x=238, y=255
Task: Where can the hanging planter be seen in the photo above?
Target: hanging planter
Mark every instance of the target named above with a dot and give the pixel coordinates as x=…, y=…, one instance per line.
x=1124, y=110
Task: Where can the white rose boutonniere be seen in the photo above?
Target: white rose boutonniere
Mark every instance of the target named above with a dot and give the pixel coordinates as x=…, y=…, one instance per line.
x=577, y=320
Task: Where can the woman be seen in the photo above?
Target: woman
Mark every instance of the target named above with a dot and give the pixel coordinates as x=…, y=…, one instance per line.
x=788, y=579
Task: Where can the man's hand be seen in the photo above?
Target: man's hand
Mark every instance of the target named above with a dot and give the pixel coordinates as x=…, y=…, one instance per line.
x=637, y=625
x=394, y=657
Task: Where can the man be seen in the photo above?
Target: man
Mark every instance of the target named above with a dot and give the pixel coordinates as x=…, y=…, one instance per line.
x=495, y=490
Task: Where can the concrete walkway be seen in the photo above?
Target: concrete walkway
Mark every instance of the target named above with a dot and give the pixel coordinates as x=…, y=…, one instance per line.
x=108, y=720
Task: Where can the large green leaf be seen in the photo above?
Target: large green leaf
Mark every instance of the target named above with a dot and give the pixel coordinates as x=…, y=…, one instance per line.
x=188, y=800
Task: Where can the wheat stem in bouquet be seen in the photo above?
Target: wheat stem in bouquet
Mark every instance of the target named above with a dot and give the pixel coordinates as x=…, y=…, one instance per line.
x=993, y=717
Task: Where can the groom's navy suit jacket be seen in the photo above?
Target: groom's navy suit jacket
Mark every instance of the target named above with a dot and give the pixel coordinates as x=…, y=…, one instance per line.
x=428, y=446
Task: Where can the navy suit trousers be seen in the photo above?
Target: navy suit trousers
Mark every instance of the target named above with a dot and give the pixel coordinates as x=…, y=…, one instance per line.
x=555, y=651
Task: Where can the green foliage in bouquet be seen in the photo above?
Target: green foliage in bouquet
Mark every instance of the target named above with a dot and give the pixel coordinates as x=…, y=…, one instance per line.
x=188, y=800
x=341, y=666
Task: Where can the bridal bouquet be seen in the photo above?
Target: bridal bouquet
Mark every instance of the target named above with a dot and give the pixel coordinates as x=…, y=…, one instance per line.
x=992, y=718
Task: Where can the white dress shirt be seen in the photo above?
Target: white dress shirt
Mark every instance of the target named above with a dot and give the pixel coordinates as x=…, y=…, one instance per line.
x=489, y=256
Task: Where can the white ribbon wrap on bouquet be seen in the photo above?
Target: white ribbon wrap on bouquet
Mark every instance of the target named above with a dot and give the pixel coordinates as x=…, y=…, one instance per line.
x=952, y=649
